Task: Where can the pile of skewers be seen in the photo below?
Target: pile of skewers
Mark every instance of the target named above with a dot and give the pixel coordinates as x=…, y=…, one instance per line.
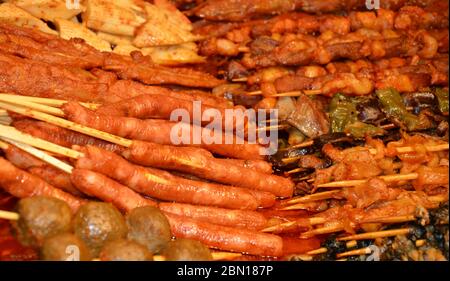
x=363, y=118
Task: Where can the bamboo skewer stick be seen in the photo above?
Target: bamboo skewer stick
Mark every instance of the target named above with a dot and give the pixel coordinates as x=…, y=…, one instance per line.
x=396, y=219
x=323, y=250
x=274, y=128
x=351, y=183
x=421, y=242
x=376, y=234
x=356, y=252
x=244, y=49
x=294, y=171
x=3, y=145
x=286, y=94
x=280, y=227
x=44, y=101
x=11, y=133
x=36, y=106
x=322, y=230
x=66, y=124
x=5, y=215
x=317, y=251
x=313, y=197
x=42, y=155
x=242, y=79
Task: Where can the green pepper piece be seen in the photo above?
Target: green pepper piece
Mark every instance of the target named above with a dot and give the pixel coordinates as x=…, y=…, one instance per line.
x=394, y=107
x=342, y=112
x=442, y=96
x=360, y=130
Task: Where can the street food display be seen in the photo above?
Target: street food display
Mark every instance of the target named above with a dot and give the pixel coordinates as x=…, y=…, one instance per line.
x=116, y=138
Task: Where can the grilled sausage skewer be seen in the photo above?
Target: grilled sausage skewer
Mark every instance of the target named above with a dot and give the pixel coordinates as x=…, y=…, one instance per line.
x=203, y=164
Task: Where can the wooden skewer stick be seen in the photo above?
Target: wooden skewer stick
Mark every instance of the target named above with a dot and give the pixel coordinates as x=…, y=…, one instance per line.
x=3, y=145
x=323, y=250
x=396, y=219
x=3, y=113
x=350, y=183
x=11, y=133
x=48, y=146
x=280, y=227
x=313, y=197
x=5, y=215
x=288, y=94
x=317, y=251
x=66, y=124
x=294, y=171
x=44, y=101
x=376, y=234
x=357, y=252
x=217, y=256
x=242, y=79
x=274, y=128
x=421, y=242
x=243, y=49
x=42, y=155
x=299, y=206
x=322, y=230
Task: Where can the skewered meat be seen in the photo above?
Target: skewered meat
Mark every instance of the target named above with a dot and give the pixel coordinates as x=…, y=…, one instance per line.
x=93, y=184
x=125, y=250
x=27, y=77
x=162, y=107
x=149, y=230
x=226, y=238
x=97, y=223
x=155, y=75
x=22, y=185
x=232, y=218
x=61, y=136
x=375, y=190
x=36, y=167
x=162, y=185
x=42, y=47
x=55, y=248
x=306, y=49
x=127, y=200
x=68, y=138
x=236, y=10
x=40, y=218
x=408, y=17
x=406, y=203
x=202, y=164
x=405, y=79
x=309, y=118
x=149, y=227
x=187, y=250
x=158, y=131
x=258, y=165
x=76, y=84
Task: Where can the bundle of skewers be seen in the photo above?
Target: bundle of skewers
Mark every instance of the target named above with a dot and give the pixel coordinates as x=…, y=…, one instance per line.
x=361, y=172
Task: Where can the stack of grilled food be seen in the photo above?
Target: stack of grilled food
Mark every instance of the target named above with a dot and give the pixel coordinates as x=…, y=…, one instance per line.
x=88, y=159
